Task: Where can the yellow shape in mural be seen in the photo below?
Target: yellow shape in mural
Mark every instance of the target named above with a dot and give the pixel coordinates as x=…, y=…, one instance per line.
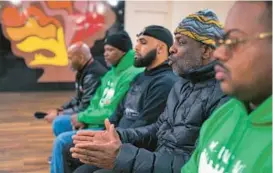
x=56, y=46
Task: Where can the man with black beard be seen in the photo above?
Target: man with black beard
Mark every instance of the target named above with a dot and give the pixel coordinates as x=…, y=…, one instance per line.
x=147, y=96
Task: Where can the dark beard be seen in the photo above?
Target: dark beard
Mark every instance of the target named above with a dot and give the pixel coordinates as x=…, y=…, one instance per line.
x=146, y=60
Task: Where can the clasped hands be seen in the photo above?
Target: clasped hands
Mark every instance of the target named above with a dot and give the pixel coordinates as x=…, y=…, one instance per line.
x=97, y=148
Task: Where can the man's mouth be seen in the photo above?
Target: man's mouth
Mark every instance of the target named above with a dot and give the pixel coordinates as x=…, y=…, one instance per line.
x=220, y=72
x=170, y=61
x=137, y=55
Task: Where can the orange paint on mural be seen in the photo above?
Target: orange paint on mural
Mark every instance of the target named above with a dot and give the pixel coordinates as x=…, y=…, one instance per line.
x=67, y=5
x=32, y=28
x=12, y=17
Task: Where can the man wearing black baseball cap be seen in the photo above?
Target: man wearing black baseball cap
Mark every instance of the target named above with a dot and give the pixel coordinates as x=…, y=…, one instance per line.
x=160, y=40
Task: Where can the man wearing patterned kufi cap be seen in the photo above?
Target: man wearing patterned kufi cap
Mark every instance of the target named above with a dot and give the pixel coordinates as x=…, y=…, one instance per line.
x=194, y=42
x=202, y=26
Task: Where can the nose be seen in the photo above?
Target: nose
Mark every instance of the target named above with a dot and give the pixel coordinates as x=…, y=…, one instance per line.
x=105, y=54
x=172, y=49
x=136, y=47
x=221, y=53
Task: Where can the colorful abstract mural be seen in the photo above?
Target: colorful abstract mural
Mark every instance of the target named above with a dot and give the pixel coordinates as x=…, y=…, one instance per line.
x=40, y=32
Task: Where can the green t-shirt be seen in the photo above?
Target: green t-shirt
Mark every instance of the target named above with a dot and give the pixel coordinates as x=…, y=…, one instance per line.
x=234, y=141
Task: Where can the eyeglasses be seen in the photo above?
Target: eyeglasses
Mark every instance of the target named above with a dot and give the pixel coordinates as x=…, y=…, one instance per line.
x=231, y=43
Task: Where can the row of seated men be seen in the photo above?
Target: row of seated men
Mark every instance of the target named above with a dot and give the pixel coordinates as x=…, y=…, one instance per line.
x=145, y=114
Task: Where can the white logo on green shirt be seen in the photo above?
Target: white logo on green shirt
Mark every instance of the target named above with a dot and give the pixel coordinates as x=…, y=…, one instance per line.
x=224, y=157
x=107, y=95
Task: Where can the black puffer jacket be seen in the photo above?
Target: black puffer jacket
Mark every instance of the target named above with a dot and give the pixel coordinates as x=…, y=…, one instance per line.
x=146, y=98
x=87, y=81
x=171, y=140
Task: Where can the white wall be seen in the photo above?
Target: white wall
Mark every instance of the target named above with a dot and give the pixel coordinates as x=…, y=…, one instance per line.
x=139, y=14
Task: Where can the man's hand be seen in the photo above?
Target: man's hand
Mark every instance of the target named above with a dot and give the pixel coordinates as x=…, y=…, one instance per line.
x=75, y=123
x=97, y=148
x=92, y=136
x=51, y=115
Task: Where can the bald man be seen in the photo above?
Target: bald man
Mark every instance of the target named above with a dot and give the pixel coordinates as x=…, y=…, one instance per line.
x=89, y=72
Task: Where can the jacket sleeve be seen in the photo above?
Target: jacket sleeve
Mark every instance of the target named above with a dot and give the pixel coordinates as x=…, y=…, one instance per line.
x=192, y=165
x=90, y=84
x=217, y=99
x=138, y=160
x=97, y=116
x=69, y=105
x=154, y=103
x=206, y=130
x=117, y=115
x=131, y=159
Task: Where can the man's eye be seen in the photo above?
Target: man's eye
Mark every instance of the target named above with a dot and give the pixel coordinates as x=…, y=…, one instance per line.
x=182, y=42
x=232, y=41
x=143, y=42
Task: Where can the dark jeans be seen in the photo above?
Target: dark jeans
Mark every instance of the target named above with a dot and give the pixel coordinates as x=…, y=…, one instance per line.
x=69, y=163
x=104, y=171
x=86, y=169
x=74, y=165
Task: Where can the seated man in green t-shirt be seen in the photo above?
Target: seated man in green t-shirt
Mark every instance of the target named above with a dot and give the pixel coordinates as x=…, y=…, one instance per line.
x=238, y=136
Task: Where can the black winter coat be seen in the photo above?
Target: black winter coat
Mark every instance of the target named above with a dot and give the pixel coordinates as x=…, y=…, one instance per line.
x=165, y=146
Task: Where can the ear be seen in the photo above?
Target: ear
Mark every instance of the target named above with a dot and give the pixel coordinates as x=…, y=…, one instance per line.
x=206, y=52
x=160, y=48
x=82, y=58
x=121, y=54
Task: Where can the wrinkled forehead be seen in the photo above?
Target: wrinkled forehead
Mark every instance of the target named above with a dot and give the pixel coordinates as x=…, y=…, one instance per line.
x=178, y=36
x=245, y=17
